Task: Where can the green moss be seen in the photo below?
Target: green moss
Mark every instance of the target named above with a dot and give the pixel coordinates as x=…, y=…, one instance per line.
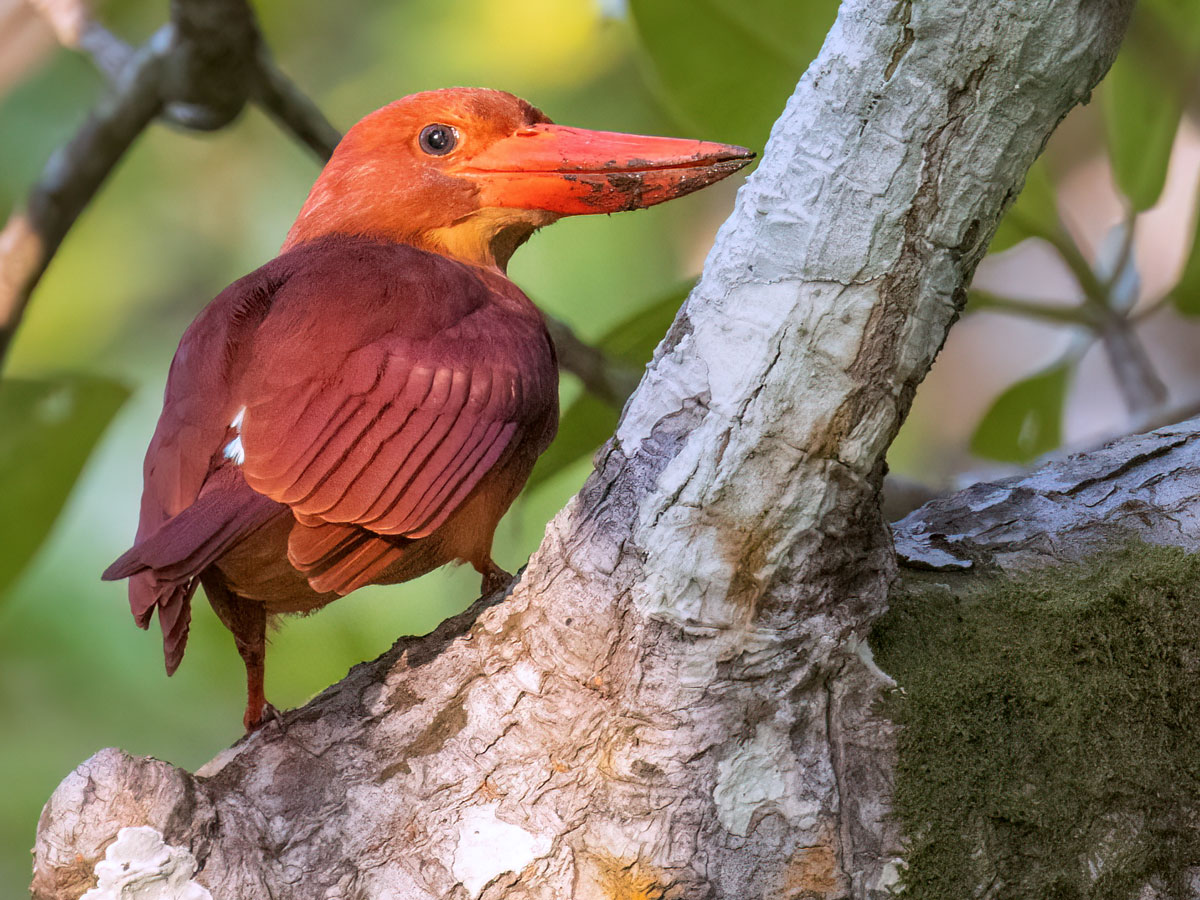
x=1050, y=745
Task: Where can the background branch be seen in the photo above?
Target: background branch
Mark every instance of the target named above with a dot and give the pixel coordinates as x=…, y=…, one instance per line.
x=197, y=73
x=601, y=375
x=70, y=181
x=291, y=108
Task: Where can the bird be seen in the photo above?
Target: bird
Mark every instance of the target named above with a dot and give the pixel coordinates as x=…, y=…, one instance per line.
x=364, y=408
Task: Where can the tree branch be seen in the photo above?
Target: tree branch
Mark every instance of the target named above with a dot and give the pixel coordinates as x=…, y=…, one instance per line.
x=1144, y=486
x=1133, y=371
x=291, y=108
x=70, y=180
x=608, y=379
x=193, y=70
x=674, y=700
x=206, y=64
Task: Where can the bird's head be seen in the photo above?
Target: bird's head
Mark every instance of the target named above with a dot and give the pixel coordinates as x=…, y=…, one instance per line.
x=472, y=173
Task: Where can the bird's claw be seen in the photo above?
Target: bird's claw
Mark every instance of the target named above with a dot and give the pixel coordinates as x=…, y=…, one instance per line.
x=267, y=716
x=495, y=579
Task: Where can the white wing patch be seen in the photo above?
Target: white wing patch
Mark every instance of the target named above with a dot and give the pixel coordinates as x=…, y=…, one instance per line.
x=234, y=449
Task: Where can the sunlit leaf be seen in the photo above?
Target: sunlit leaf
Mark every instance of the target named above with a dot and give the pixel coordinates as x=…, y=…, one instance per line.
x=728, y=66
x=1026, y=420
x=47, y=431
x=1034, y=214
x=1141, y=115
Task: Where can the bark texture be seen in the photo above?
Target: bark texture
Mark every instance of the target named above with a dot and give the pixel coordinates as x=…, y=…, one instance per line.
x=673, y=701
x=1141, y=487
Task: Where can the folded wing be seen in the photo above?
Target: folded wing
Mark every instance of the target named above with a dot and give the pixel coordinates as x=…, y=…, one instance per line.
x=387, y=443
x=388, y=415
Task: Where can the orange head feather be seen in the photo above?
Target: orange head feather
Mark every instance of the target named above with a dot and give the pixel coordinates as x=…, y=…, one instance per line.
x=471, y=173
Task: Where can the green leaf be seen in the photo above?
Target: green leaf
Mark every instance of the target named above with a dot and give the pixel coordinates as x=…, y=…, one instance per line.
x=1176, y=21
x=48, y=428
x=728, y=66
x=1026, y=420
x=1186, y=293
x=589, y=422
x=1034, y=214
x=1141, y=115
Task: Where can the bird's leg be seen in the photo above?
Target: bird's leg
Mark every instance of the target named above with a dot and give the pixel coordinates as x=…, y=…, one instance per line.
x=494, y=577
x=248, y=622
x=252, y=645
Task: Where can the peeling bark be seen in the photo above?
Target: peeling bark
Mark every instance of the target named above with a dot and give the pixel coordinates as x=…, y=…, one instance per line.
x=674, y=700
x=1142, y=487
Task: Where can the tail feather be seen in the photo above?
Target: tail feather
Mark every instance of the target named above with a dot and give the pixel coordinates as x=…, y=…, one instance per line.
x=175, y=617
x=190, y=542
x=143, y=597
x=164, y=568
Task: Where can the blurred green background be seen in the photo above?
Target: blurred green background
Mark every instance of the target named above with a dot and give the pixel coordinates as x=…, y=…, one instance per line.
x=184, y=215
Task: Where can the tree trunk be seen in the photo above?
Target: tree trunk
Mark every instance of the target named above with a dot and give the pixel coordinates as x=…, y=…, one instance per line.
x=674, y=700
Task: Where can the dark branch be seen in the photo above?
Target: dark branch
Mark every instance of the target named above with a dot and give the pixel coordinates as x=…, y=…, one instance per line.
x=70, y=180
x=291, y=108
x=198, y=72
x=602, y=376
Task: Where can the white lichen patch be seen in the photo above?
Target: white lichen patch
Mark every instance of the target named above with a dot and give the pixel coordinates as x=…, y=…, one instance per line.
x=761, y=775
x=140, y=865
x=488, y=847
x=528, y=676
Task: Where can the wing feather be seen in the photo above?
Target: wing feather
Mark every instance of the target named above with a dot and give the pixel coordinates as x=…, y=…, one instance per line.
x=371, y=465
x=374, y=386
x=390, y=429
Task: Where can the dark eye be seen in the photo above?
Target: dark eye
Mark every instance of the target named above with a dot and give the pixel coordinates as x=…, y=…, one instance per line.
x=438, y=140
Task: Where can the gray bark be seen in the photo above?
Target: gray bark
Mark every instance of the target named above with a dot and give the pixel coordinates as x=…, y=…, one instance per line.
x=674, y=700
x=1142, y=487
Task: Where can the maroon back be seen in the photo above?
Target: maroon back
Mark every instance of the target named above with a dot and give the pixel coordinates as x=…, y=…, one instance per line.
x=352, y=380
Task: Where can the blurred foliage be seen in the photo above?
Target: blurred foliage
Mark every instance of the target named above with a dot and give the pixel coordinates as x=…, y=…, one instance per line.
x=185, y=215
x=728, y=66
x=1025, y=421
x=1186, y=294
x=587, y=422
x=47, y=430
x=1140, y=134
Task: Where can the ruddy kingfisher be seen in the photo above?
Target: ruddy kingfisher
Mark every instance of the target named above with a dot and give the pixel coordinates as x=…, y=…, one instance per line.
x=366, y=406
